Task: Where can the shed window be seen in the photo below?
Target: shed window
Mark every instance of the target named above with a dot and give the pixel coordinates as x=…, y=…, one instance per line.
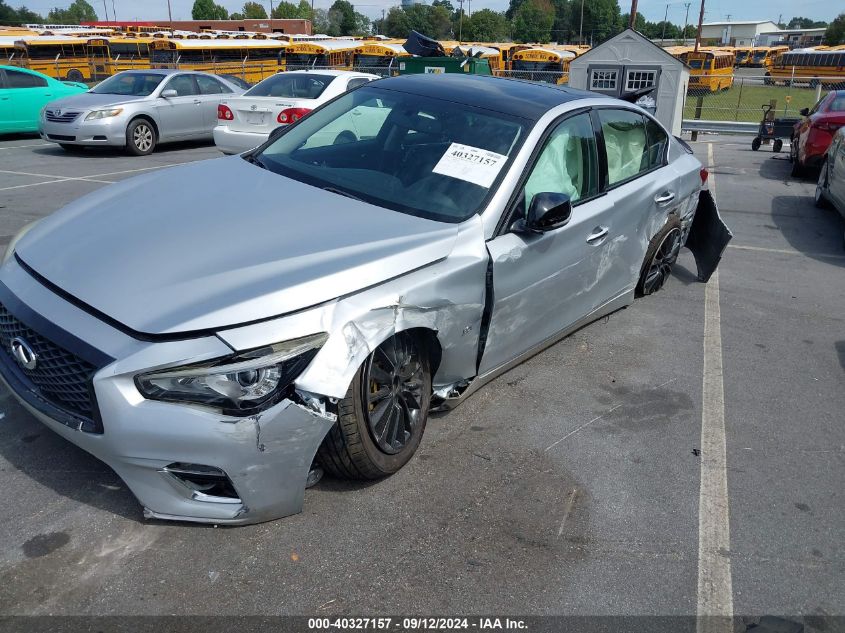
x=603, y=80
x=640, y=79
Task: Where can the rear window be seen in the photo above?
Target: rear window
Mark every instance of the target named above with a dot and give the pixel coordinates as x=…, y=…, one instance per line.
x=291, y=86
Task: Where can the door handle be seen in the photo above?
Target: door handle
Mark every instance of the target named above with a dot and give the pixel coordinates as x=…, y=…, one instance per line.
x=197, y=101
x=664, y=198
x=599, y=233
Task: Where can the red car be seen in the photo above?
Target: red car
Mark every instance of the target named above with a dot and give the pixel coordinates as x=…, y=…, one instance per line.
x=812, y=136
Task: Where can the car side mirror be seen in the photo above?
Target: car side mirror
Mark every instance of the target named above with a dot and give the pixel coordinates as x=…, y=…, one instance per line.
x=548, y=211
x=804, y=111
x=169, y=93
x=276, y=133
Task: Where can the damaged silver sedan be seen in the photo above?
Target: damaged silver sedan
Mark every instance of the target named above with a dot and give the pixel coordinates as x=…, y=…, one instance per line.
x=216, y=331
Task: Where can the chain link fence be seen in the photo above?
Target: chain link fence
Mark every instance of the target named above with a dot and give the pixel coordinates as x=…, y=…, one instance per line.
x=740, y=98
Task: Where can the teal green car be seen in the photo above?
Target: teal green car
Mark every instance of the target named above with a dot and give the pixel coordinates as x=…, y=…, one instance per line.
x=24, y=92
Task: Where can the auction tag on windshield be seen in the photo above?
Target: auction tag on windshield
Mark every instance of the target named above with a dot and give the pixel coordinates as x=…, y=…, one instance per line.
x=478, y=166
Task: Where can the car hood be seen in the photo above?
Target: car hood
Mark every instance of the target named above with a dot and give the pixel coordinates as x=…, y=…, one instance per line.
x=89, y=100
x=220, y=243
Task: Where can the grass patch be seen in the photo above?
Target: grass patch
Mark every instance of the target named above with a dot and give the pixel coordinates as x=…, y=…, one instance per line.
x=742, y=102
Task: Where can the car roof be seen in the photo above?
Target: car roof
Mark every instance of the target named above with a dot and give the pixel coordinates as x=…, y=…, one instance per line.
x=516, y=97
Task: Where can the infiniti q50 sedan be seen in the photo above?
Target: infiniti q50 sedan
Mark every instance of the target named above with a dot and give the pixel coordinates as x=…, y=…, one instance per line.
x=218, y=331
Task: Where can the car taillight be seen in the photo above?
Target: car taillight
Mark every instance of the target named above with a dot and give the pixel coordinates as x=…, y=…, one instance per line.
x=292, y=115
x=704, y=174
x=224, y=113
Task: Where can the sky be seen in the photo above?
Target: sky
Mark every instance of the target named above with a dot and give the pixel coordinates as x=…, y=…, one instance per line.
x=653, y=10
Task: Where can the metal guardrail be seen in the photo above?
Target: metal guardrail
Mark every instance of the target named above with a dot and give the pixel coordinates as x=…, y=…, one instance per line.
x=725, y=127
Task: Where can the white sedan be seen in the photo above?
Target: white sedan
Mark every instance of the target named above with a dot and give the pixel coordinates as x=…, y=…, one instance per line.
x=246, y=122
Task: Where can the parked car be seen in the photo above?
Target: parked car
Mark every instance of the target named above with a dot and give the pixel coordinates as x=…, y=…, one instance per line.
x=211, y=329
x=238, y=81
x=246, y=121
x=24, y=92
x=138, y=109
x=812, y=135
x=830, y=188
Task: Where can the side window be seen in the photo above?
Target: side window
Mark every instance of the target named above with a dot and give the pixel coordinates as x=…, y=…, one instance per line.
x=625, y=144
x=210, y=86
x=17, y=79
x=357, y=81
x=184, y=85
x=568, y=163
x=657, y=141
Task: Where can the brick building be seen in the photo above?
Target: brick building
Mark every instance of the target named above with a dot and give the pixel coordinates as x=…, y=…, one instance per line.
x=261, y=26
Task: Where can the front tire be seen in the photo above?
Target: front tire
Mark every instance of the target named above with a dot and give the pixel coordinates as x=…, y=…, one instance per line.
x=140, y=137
x=382, y=418
x=797, y=170
x=660, y=256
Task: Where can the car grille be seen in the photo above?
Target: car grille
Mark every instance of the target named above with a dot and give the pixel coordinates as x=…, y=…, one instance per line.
x=60, y=377
x=60, y=116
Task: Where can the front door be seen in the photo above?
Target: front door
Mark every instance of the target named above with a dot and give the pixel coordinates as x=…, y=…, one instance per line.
x=544, y=282
x=181, y=116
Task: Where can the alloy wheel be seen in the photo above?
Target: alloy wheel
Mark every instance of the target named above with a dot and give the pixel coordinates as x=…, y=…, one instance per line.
x=142, y=137
x=393, y=392
x=822, y=181
x=660, y=265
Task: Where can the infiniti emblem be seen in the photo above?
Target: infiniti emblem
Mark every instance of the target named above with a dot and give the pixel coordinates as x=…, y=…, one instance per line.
x=23, y=353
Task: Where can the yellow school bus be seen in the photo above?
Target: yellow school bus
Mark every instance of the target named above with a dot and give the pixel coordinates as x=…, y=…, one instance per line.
x=56, y=56
x=506, y=52
x=710, y=70
x=764, y=56
x=679, y=52
x=542, y=64
x=375, y=56
x=108, y=56
x=811, y=67
x=9, y=54
x=332, y=53
x=743, y=55
x=252, y=60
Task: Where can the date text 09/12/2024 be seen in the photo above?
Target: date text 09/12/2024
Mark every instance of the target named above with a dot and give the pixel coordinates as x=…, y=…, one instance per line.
x=415, y=624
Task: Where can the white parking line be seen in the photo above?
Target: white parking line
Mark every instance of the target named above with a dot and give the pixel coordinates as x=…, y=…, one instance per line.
x=22, y=146
x=715, y=586
x=784, y=251
x=91, y=178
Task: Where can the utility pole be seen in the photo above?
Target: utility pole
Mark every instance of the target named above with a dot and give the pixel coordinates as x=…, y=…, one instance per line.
x=698, y=32
x=113, y=12
x=665, y=17
x=170, y=16
x=633, y=21
x=106, y=11
x=686, y=23
x=460, y=23
x=581, y=27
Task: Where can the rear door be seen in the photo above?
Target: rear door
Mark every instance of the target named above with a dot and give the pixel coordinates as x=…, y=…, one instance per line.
x=24, y=94
x=641, y=187
x=212, y=92
x=181, y=116
x=836, y=173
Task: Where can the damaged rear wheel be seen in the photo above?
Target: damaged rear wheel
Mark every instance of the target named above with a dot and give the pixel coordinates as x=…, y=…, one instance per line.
x=660, y=257
x=382, y=418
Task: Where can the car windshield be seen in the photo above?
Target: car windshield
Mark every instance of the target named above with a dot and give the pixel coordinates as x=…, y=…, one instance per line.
x=130, y=84
x=291, y=86
x=426, y=157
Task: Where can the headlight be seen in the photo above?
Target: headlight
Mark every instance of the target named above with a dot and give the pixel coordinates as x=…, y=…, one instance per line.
x=239, y=385
x=103, y=114
x=10, y=249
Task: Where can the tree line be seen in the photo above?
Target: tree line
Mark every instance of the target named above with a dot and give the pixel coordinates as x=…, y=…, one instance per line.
x=537, y=21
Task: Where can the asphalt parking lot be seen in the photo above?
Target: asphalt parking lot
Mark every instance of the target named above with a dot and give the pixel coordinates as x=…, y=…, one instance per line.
x=570, y=485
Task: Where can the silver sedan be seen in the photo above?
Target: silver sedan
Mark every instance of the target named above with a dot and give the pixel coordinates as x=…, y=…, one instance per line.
x=222, y=331
x=137, y=109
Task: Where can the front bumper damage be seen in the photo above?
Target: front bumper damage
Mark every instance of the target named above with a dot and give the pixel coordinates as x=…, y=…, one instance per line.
x=264, y=459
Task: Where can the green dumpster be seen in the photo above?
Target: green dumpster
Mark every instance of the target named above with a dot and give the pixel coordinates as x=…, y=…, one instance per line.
x=438, y=65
